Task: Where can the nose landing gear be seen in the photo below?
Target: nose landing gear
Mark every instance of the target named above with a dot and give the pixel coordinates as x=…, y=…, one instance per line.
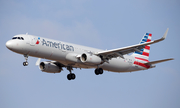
x=25, y=63
x=26, y=58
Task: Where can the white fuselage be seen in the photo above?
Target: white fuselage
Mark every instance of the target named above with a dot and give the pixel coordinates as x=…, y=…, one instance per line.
x=67, y=53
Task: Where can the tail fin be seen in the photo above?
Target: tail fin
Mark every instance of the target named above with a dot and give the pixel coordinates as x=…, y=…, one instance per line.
x=143, y=56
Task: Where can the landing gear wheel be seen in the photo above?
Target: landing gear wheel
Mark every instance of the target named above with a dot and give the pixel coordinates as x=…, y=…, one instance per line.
x=98, y=71
x=25, y=63
x=71, y=76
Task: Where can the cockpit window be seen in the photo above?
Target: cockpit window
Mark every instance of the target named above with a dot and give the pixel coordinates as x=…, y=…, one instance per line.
x=20, y=38
x=14, y=38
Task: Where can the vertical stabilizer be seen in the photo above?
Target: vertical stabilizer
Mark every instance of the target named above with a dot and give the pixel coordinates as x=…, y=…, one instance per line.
x=143, y=56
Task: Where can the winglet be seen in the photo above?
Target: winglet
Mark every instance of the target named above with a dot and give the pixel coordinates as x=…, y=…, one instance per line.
x=164, y=37
x=165, y=34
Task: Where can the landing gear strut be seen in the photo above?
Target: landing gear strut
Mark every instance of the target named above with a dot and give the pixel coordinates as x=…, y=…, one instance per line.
x=70, y=76
x=26, y=58
x=98, y=71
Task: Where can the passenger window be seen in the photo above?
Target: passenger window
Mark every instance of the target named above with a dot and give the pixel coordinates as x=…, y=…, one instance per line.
x=19, y=38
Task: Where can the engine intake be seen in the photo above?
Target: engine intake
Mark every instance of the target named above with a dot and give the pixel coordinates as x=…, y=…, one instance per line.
x=50, y=67
x=90, y=59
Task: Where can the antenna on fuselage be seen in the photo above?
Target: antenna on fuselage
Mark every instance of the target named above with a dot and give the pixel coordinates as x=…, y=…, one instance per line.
x=26, y=33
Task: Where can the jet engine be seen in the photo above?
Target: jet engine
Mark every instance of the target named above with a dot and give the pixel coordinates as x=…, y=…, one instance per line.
x=50, y=67
x=90, y=59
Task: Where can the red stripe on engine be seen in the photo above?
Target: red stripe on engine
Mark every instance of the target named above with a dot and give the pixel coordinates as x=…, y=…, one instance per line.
x=141, y=59
x=147, y=47
x=148, y=40
x=145, y=53
x=141, y=64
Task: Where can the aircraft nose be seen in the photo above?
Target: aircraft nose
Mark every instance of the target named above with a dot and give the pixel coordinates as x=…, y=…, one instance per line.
x=9, y=44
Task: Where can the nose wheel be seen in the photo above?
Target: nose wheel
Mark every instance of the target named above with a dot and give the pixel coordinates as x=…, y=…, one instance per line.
x=26, y=58
x=25, y=63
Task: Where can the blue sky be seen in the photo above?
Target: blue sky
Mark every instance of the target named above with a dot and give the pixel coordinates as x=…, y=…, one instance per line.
x=96, y=23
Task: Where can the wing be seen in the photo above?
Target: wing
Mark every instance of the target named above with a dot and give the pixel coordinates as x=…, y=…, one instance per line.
x=119, y=52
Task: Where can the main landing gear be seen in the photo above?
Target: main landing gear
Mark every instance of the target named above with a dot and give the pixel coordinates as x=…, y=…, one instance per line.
x=26, y=58
x=98, y=71
x=70, y=76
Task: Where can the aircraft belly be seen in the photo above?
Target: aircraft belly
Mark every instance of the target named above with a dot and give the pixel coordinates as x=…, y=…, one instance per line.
x=116, y=65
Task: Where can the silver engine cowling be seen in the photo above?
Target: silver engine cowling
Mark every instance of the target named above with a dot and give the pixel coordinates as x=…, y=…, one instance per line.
x=90, y=59
x=50, y=67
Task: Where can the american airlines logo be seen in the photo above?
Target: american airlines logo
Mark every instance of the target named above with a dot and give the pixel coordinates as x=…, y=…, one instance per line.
x=58, y=45
x=37, y=42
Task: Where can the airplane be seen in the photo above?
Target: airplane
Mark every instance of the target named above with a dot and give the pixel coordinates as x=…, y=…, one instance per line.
x=67, y=55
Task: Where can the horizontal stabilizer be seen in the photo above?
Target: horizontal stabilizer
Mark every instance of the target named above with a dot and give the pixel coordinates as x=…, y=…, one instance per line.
x=158, y=61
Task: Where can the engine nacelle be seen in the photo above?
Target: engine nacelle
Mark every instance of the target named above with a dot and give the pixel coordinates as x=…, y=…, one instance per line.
x=49, y=67
x=90, y=59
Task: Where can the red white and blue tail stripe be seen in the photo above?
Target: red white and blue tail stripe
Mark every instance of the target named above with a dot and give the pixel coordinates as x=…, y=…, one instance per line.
x=143, y=56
